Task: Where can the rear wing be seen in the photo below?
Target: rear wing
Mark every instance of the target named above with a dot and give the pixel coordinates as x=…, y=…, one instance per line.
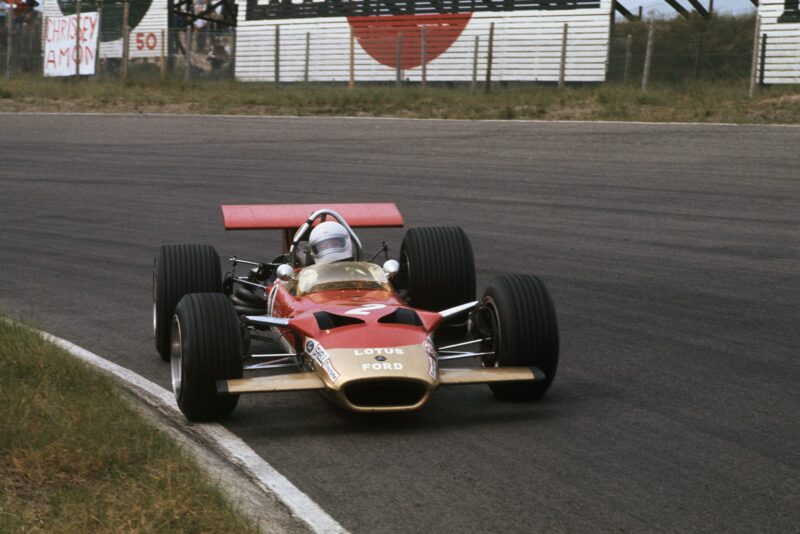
x=292, y=216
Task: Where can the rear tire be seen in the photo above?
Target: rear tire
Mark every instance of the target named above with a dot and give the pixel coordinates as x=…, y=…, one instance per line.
x=206, y=346
x=177, y=271
x=437, y=268
x=521, y=318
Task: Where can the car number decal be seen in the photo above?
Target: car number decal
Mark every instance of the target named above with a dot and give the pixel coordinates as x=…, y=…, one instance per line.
x=365, y=309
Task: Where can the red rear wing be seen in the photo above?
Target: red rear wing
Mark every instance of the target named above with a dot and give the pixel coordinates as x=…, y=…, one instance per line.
x=290, y=216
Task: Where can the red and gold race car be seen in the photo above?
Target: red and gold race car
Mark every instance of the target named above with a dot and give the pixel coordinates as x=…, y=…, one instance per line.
x=320, y=316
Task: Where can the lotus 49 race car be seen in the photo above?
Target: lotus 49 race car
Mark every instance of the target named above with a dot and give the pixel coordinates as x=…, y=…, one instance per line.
x=371, y=337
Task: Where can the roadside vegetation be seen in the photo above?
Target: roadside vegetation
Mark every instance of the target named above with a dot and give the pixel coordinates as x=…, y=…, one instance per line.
x=695, y=101
x=74, y=457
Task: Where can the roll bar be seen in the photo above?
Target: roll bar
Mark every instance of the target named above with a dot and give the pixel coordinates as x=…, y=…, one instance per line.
x=323, y=213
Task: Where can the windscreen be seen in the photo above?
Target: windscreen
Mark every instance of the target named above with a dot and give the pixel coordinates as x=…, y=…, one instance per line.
x=342, y=275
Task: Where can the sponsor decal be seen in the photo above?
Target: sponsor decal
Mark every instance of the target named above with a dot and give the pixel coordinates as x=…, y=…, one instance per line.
x=383, y=366
x=432, y=358
x=331, y=370
x=428, y=346
x=321, y=356
x=388, y=351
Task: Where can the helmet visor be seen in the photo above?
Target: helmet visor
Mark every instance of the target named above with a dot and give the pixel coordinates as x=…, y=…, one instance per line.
x=333, y=244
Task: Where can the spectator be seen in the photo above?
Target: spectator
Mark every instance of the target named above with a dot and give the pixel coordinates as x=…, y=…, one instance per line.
x=217, y=57
x=200, y=27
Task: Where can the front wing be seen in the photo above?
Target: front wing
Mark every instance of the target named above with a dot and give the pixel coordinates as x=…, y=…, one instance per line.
x=309, y=381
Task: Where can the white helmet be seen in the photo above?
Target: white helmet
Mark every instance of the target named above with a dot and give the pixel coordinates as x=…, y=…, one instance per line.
x=329, y=242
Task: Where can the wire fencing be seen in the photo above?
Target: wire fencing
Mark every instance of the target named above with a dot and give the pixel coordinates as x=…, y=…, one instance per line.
x=682, y=50
x=640, y=52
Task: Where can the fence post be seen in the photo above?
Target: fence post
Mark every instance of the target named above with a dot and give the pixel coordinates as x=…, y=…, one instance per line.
x=762, y=66
x=308, y=57
x=489, y=52
x=648, y=56
x=424, y=56
x=126, y=38
x=475, y=65
x=627, y=69
x=97, y=51
x=78, y=52
x=163, y=64
x=754, y=63
x=277, y=59
x=187, y=73
x=9, y=41
x=562, y=70
x=352, y=81
x=399, y=59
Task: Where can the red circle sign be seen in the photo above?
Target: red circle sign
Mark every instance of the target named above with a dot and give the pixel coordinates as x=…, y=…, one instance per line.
x=382, y=37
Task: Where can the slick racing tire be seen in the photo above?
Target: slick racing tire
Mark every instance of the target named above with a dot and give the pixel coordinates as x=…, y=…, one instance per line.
x=177, y=271
x=437, y=269
x=519, y=315
x=206, y=346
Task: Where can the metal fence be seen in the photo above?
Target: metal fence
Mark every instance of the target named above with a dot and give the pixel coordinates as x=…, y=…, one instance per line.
x=20, y=44
x=636, y=52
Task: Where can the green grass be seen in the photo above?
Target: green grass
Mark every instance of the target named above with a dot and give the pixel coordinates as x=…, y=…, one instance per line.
x=695, y=101
x=74, y=457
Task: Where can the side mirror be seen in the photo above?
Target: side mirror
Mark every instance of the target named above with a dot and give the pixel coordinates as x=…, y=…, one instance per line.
x=391, y=268
x=285, y=272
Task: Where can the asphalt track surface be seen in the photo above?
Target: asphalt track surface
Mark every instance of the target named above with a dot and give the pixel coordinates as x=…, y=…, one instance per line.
x=672, y=253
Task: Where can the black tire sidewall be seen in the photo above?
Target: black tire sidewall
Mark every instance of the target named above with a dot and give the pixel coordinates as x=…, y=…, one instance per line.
x=526, y=321
x=211, y=350
x=437, y=267
x=179, y=270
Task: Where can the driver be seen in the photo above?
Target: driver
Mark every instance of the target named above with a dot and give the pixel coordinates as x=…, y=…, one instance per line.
x=329, y=241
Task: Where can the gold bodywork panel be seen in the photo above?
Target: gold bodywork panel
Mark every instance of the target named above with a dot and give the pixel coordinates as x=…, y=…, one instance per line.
x=484, y=375
x=384, y=369
x=288, y=382
x=406, y=362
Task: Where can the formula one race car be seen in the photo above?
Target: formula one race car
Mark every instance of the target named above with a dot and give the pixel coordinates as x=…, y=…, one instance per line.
x=370, y=337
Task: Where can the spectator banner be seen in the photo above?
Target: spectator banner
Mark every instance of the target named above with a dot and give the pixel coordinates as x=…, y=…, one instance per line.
x=147, y=19
x=780, y=53
x=62, y=49
x=298, y=40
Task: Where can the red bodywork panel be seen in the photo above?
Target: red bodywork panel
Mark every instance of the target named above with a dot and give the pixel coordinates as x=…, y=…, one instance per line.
x=372, y=305
x=290, y=216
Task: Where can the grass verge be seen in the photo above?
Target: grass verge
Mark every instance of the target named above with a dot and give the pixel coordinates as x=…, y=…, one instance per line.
x=74, y=457
x=721, y=101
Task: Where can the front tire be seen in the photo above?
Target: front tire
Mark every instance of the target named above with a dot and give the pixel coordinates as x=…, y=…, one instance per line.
x=520, y=316
x=177, y=271
x=437, y=268
x=206, y=346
